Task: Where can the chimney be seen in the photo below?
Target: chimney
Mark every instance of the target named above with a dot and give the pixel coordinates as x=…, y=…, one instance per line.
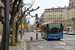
x=58, y=6
x=52, y=7
x=64, y=6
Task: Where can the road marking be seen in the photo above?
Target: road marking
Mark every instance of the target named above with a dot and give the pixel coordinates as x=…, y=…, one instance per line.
x=71, y=42
x=68, y=39
x=19, y=48
x=62, y=43
x=62, y=39
x=40, y=46
x=24, y=45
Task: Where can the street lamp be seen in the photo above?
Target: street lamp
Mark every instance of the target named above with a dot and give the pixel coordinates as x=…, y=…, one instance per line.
x=21, y=19
x=6, y=30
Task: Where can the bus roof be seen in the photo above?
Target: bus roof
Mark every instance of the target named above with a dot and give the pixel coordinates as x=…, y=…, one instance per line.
x=48, y=23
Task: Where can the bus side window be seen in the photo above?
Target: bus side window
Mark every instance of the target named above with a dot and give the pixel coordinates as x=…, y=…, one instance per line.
x=47, y=27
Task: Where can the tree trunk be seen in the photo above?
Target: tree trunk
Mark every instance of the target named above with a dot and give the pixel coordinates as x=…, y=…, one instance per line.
x=2, y=40
x=13, y=32
x=17, y=32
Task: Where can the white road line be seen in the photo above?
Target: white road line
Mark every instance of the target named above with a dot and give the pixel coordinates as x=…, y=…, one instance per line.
x=70, y=42
x=68, y=39
x=62, y=39
x=62, y=43
x=40, y=46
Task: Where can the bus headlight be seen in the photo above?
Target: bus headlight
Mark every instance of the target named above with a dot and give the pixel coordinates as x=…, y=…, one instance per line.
x=61, y=36
x=48, y=36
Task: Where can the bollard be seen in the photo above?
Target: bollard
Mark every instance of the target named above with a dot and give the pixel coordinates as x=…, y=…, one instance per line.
x=20, y=47
x=31, y=38
x=36, y=36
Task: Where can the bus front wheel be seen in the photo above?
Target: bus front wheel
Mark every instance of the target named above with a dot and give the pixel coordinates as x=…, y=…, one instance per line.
x=58, y=39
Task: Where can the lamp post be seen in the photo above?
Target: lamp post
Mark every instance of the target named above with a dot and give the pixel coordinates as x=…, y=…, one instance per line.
x=6, y=30
x=21, y=19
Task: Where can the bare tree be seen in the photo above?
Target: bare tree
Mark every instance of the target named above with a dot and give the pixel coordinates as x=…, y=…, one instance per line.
x=15, y=7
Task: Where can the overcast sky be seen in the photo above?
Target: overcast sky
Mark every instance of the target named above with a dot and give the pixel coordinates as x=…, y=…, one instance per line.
x=46, y=4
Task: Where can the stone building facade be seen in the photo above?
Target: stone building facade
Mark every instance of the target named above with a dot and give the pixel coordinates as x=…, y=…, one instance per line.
x=71, y=10
x=59, y=14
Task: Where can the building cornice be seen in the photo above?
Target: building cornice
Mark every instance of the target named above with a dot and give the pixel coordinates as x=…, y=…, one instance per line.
x=71, y=7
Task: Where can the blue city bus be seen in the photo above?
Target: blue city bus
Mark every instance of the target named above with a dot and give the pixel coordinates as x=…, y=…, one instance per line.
x=52, y=31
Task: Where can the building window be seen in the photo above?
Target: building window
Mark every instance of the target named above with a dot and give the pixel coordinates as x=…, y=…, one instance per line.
x=49, y=15
x=55, y=15
x=61, y=17
x=61, y=14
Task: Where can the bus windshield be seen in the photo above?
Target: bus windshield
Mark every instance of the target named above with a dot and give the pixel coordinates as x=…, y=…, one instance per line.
x=54, y=25
x=55, y=28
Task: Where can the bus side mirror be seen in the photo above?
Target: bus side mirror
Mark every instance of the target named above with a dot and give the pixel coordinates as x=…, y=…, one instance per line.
x=62, y=26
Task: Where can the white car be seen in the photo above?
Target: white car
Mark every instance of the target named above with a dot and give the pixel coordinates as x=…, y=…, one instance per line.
x=65, y=32
x=34, y=30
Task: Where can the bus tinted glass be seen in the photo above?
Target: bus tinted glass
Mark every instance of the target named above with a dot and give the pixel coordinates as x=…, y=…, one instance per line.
x=54, y=25
x=55, y=28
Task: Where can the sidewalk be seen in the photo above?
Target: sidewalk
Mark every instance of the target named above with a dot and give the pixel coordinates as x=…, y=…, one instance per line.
x=25, y=39
x=20, y=46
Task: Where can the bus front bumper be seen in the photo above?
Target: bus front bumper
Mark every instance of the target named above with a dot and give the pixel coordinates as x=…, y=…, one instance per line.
x=57, y=36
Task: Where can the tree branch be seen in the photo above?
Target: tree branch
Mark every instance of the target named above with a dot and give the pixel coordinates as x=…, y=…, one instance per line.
x=18, y=6
x=28, y=12
x=15, y=2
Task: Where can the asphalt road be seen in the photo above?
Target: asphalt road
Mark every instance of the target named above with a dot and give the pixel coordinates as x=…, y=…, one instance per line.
x=67, y=43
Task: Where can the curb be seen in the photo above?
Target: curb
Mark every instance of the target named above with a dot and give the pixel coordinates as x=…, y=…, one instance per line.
x=14, y=46
x=27, y=46
x=34, y=41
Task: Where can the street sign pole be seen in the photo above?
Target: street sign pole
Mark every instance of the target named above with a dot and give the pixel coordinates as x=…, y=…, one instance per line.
x=21, y=22
x=6, y=23
x=21, y=28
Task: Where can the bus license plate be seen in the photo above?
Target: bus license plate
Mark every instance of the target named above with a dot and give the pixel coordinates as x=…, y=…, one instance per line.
x=55, y=38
